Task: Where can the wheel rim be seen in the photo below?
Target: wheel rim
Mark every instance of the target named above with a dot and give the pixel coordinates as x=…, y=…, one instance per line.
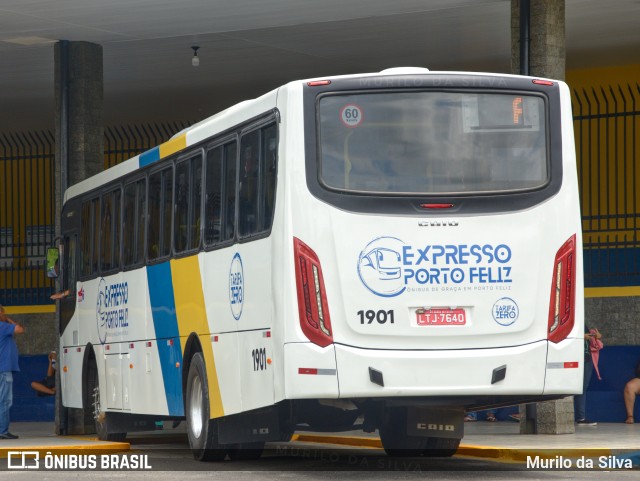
x=195, y=407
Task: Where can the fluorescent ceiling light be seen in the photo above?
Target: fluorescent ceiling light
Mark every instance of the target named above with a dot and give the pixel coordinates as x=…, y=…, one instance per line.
x=29, y=41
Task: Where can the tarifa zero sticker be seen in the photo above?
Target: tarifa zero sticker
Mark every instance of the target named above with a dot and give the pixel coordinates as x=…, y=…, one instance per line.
x=236, y=286
x=351, y=115
x=505, y=311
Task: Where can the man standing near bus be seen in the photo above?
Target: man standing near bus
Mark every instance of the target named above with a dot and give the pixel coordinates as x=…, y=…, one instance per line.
x=8, y=364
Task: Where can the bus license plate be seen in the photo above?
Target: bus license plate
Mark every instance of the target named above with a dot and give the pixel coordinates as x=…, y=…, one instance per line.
x=441, y=316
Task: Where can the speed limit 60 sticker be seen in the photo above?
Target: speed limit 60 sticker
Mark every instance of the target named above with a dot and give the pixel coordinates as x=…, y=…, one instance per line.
x=351, y=115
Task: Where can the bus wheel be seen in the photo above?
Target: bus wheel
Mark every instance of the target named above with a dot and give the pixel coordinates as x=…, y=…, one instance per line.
x=395, y=441
x=441, y=447
x=201, y=429
x=99, y=416
x=245, y=451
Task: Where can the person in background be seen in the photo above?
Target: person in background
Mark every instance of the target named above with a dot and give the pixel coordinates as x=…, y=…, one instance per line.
x=473, y=416
x=580, y=401
x=631, y=390
x=47, y=387
x=8, y=365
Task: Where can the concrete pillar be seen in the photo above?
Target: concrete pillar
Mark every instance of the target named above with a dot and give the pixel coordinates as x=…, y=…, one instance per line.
x=79, y=128
x=551, y=417
x=547, y=58
x=547, y=55
x=79, y=109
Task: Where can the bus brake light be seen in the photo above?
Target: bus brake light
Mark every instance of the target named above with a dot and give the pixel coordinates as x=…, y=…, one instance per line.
x=563, y=292
x=312, y=298
x=546, y=83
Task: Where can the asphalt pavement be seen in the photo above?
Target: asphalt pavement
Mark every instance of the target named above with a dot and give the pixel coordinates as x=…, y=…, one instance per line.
x=500, y=441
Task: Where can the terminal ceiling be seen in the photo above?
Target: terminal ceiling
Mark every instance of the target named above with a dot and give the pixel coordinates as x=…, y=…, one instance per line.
x=248, y=47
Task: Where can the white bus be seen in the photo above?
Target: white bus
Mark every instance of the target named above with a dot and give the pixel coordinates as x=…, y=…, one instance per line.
x=379, y=251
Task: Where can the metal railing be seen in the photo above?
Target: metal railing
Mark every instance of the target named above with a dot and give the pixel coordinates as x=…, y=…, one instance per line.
x=606, y=124
x=27, y=208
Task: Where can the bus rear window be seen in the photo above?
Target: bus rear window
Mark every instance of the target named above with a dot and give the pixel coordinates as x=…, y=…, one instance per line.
x=421, y=143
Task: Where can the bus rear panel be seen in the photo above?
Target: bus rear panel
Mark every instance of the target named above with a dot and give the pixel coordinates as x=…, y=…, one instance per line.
x=438, y=257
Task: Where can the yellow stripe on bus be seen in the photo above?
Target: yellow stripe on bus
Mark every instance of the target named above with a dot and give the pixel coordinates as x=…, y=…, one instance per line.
x=172, y=146
x=192, y=317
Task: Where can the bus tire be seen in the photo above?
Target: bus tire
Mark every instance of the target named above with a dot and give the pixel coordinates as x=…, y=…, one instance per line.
x=246, y=451
x=202, y=430
x=395, y=440
x=441, y=447
x=93, y=400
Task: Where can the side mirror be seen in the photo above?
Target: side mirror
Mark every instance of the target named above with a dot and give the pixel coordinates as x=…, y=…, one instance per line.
x=53, y=262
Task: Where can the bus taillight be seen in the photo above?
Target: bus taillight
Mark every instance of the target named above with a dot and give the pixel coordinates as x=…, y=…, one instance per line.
x=312, y=298
x=563, y=292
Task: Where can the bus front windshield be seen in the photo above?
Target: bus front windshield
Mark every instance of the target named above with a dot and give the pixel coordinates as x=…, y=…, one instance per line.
x=433, y=142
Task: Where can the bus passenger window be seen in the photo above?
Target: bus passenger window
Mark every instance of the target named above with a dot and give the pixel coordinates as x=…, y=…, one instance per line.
x=229, y=195
x=258, y=167
x=69, y=259
x=85, y=240
x=249, y=175
x=167, y=210
x=181, y=207
x=153, y=225
x=95, y=250
x=117, y=223
x=270, y=161
x=110, y=231
x=213, y=197
x=141, y=212
x=129, y=220
x=195, y=201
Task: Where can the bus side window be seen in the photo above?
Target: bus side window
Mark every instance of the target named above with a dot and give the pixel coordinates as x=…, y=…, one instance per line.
x=167, y=211
x=95, y=222
x=249, y=175
x=117, y=225
x=107, y=258
x=141, y=213
x=213, y=197
x=129, y=227
x=85, y=240
x=181, y=207
x=258, y=165
x=270, y=161
x=134, y=222
x=90, y=241
x=196, y=200
x=229, y=193
x=153, y=224
x=69, y=271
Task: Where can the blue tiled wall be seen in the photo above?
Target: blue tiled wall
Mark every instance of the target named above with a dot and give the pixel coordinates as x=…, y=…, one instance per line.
x=27, y=406
x=605, y=401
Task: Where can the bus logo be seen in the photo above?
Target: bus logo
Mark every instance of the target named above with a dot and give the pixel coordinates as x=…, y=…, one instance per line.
x=387, y=266
x=101, y=312
x=236, y=286
x=380, y=266
x=112, y=311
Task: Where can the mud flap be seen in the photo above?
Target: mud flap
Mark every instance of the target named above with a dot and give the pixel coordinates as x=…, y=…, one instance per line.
x=435, y=422
x=248, y=427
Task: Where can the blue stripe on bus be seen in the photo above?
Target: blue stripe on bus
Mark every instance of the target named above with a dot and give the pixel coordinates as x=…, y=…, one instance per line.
x=165, y=322
x=149, y=156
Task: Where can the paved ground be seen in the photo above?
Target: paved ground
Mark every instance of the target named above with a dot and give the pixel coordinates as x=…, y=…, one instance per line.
x=500, y=440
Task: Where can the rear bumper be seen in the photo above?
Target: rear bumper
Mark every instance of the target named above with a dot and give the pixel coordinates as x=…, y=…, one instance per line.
x=537, y=369
x=460, y=372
